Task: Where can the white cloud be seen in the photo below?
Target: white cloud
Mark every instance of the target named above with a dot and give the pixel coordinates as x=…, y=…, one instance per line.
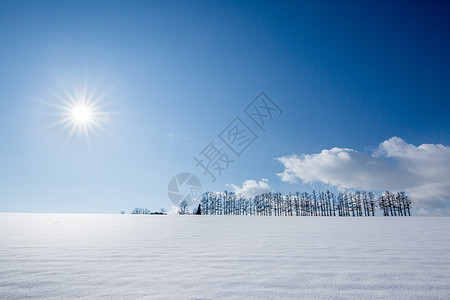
x=251, y=188
x=423, y=171
x=173, y=210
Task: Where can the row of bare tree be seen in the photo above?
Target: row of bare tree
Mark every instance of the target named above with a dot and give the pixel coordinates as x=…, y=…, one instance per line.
x=394, y=204
x=305, y=204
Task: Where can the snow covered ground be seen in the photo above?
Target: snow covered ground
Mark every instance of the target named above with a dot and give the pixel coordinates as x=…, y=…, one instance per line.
x=216, y=257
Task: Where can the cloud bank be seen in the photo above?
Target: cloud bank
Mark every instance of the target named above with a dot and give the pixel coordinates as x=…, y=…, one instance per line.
x=251, y=188
x=423, y=171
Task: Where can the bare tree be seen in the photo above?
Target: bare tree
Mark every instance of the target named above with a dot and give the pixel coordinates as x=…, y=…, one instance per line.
x=182, y=208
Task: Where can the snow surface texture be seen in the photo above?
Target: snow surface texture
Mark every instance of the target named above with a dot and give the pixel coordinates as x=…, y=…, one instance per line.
x=216, y=257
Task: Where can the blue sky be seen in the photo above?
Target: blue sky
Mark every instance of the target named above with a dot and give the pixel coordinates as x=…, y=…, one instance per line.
x=174, y=75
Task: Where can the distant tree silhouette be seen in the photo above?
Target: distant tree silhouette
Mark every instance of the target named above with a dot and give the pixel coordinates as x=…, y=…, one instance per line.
x=145, y=211
x=199, y=210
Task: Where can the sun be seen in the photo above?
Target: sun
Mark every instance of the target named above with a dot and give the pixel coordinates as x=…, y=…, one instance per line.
x=82, y=113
